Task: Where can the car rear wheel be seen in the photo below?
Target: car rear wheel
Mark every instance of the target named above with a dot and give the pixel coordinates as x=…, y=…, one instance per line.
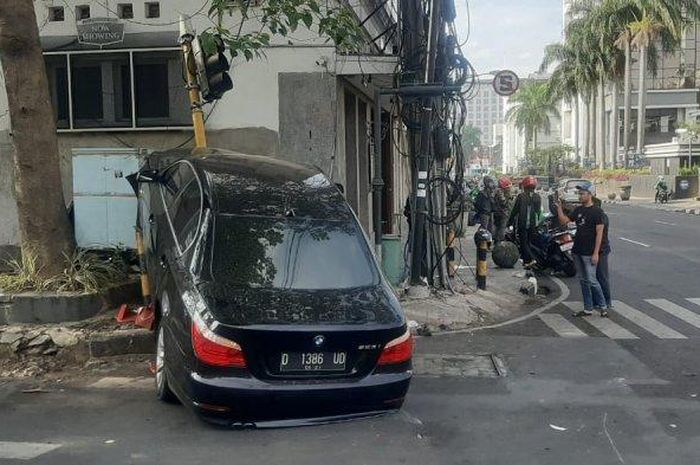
x=163, y=390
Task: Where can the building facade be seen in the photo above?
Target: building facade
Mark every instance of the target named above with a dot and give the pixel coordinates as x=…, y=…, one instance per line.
x=484, y=110
x=673, y=97
x=115, y=78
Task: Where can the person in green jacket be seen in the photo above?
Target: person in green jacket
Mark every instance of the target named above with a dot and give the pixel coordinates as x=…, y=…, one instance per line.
x=524, y=217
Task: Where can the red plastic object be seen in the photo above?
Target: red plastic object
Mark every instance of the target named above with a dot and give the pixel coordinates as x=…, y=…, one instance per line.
x=125, y=315
x=146, y=317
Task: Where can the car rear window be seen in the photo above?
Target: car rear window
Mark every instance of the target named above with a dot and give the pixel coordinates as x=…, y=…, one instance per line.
x=288, y=253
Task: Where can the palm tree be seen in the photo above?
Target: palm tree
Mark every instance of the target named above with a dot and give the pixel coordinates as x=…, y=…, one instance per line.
x=645, y=32
x=532, y=105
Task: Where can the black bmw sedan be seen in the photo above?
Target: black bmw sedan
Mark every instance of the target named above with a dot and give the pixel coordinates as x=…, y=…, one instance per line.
x=271, y=307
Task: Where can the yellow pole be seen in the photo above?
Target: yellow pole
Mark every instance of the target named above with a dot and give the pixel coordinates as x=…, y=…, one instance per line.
x=200, y=137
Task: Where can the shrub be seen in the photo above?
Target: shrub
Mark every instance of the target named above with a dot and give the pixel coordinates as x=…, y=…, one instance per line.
x=85, y=271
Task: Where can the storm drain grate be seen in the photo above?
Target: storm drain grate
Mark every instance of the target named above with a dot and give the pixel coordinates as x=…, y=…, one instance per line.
x=465, y=366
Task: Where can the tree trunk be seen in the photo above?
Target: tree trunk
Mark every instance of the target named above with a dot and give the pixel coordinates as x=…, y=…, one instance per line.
x=587, y=130
x=628, y=102
x=614, y=126
x=600, y=125
x=593, y=117
x=43, y=221
x=575, y=121
x=641, y=102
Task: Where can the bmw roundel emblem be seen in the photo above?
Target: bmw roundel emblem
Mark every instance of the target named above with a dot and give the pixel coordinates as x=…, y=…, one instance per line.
x=319, y=340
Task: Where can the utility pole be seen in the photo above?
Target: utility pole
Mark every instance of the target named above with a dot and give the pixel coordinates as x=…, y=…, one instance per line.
x=186, y=38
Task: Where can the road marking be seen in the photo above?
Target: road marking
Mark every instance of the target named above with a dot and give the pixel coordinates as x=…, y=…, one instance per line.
x=634, y=242
x=25, y=450
x=665, y=223
x=646, y=322
x=604, y=325
x=561, y=325
x=677, y=311
x=121, y=382
x=694, y=301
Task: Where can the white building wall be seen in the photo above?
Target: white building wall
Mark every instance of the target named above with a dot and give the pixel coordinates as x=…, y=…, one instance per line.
x=484, y=110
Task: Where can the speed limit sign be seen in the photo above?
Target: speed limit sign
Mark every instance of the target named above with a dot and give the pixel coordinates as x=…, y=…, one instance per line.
x=505, y=83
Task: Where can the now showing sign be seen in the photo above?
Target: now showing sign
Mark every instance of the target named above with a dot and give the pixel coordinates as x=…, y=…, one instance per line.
x=100, y=31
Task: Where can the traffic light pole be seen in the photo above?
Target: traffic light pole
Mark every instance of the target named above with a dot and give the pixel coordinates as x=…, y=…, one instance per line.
x=186, y=39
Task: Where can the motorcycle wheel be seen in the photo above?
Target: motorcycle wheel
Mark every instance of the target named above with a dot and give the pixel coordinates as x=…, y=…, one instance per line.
x=570, y=270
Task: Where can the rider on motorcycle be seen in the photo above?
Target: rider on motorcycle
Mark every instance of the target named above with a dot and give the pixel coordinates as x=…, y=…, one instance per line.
x=661, y=188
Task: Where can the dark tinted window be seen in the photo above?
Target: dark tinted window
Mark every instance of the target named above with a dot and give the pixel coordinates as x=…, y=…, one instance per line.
x=175, y=180
x=288, y=253
x=186, y=216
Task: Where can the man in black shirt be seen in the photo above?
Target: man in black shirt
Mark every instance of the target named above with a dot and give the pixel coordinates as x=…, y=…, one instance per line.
x=588, y=244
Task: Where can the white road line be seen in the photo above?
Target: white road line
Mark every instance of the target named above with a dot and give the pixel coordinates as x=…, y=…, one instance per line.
x=561, y=325
x=646, y=322
x=634, y=242
x=604, y=325
x=694, y=301
x=25, y=450
x=677, y=311
x=665, y=223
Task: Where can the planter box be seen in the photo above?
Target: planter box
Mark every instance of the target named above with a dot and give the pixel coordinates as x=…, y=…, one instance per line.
x=33, y=307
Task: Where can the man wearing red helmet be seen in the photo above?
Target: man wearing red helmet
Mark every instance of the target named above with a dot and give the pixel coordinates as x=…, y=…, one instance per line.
x=525, y=216
x=503, y=201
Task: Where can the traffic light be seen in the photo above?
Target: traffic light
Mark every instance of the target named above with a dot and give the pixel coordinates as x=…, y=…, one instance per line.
x=212, y=71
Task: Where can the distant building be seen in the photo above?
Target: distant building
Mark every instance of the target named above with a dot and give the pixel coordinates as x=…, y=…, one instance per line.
x=485, y=110
x=673, y=97
x=514, y=144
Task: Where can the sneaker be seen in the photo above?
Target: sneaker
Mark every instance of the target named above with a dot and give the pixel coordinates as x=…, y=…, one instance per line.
x=603, y=313
x=530, y=265
x=583, y=313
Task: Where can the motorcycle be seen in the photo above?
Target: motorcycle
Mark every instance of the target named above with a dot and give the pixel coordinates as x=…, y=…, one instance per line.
x=551, y=247
x=663, y=195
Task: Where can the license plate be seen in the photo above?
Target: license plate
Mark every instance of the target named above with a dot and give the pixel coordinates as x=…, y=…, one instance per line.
x=566, y=246
x=312, y=361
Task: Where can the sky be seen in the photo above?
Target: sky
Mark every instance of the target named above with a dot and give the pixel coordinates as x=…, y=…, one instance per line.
x=508, y=34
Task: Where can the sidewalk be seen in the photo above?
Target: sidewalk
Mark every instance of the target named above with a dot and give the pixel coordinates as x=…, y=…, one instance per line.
x=469, y=307
x=688, y=206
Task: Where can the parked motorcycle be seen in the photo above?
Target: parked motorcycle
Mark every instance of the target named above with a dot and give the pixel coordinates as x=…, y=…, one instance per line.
x=551, y=246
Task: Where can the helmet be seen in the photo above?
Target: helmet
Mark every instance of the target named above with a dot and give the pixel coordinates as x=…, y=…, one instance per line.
x=529, y=182
x=489, y=182
x=660, y=178
x=504, y=182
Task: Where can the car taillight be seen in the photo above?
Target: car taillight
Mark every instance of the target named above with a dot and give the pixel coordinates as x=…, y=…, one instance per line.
x=399, y=350
x=213, y=349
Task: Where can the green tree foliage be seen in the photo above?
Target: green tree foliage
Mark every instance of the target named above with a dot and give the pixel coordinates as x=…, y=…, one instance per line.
x=547, y=161
x=471, y=139
x=532, y=105
x=279, y=18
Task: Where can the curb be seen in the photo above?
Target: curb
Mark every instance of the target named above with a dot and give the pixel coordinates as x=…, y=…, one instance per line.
x=564, y=294
x=688, y=211
x=127, y=342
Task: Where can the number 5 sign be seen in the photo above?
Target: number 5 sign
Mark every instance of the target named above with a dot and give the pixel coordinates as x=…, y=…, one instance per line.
x=505, y=83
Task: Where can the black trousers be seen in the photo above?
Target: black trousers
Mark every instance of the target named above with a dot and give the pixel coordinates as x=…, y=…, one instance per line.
x=524, y=238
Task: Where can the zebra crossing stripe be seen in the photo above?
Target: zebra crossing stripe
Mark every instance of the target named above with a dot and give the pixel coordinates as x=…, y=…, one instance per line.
x=561, y=325
x=694, y=301
x=679, y=312
x=24, y=450
x=646, y=322
x=604, y=325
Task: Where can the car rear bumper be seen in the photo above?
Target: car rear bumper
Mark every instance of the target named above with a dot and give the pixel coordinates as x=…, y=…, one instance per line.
x=249, y=401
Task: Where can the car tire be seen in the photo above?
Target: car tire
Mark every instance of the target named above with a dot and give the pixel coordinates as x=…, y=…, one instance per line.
x=163, y=391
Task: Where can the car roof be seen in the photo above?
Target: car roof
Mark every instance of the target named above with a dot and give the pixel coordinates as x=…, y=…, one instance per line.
x=241, y=184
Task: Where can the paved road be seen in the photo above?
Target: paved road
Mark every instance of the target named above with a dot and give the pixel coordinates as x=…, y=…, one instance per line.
x=576, y=391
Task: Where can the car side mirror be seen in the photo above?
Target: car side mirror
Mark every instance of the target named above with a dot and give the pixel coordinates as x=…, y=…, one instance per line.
x=143, y=176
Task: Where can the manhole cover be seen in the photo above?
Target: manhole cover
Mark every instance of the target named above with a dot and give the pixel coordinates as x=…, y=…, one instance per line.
x=479, y=366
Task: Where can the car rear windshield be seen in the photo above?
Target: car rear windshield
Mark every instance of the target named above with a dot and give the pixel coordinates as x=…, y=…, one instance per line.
x=288, y=253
